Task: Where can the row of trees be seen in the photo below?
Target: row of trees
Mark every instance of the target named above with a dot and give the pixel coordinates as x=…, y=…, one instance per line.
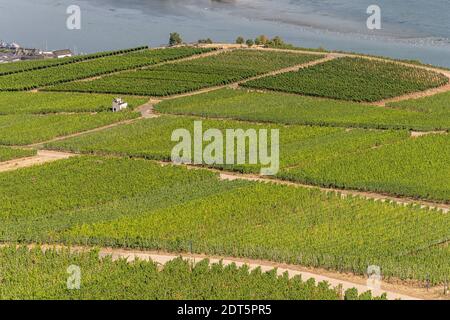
x=175, y=39
x=261, y=40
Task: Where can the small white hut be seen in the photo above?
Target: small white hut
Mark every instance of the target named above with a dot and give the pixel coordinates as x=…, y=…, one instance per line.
x=118, y=105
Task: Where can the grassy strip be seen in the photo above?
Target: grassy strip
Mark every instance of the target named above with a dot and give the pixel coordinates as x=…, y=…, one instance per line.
x=10, y=153
x=191, y=75
x=42, y=275
x=354, y=79
x=24, y=129
x=438, y=103
x=292, y=109
x=55, y=102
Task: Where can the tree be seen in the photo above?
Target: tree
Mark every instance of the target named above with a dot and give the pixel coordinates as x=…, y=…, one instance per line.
x=250, y=42
x=208, y=40
x=277, y=41
x=175, y=39
x=240, y=40
x=262, y=39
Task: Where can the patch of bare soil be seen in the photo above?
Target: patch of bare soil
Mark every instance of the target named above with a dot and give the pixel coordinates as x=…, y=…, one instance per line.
x=417, y=134
x=43, y=156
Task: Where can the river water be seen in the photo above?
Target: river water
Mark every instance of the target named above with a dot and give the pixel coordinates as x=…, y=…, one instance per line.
x=412, y=29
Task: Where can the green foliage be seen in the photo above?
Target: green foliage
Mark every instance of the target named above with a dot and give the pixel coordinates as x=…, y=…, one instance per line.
x=140, y=204
x=370, y=160
x=415, y=167
x=437, y=104
x=175, y=39
x=91, y=68
x=14, y=153
x=351, y=294
x=277, y=41
x=293, y=109
x=53, y=102
x=205, y=41
x=250, y=42
x=240, y=40
x=261, y=40
x=23, y=129
x=42, y=275
x=355, y=79
x=191, y=75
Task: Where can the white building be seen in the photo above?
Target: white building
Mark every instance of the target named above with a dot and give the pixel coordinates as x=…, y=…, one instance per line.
x=62, y=53
x=118, y=105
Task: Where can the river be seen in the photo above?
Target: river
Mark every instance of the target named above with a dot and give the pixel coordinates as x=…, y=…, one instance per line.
x=411, y=29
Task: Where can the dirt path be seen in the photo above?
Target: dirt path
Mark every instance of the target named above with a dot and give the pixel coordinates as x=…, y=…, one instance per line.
x=414, y=95
x=43, y=156
x=147, y=111
x=417, y=134
x=346, y=281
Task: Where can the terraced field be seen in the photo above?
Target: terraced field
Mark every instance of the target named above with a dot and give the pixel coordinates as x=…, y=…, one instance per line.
x=24, y=129
x=91, y=68
x=28, y=118
x=191, y=75
x=13, y=153
x=355, y=79
x=139, y=204
x=439, y=104
x=49, y=102
x=330, y=157
x=431, y=113
x=123, y=196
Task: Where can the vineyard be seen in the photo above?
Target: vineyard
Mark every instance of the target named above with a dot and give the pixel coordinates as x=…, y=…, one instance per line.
x=42, y=275
x=91, y=68
x=439, y=104
x=21, y=66
x=191, y=75
x=382, y=161
x=46, y=102
x=139, y=204
x=430, y=114
x=416, y=168
x=24, y=129
x=355, y=79
x=10, y=153
x=121, y=191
